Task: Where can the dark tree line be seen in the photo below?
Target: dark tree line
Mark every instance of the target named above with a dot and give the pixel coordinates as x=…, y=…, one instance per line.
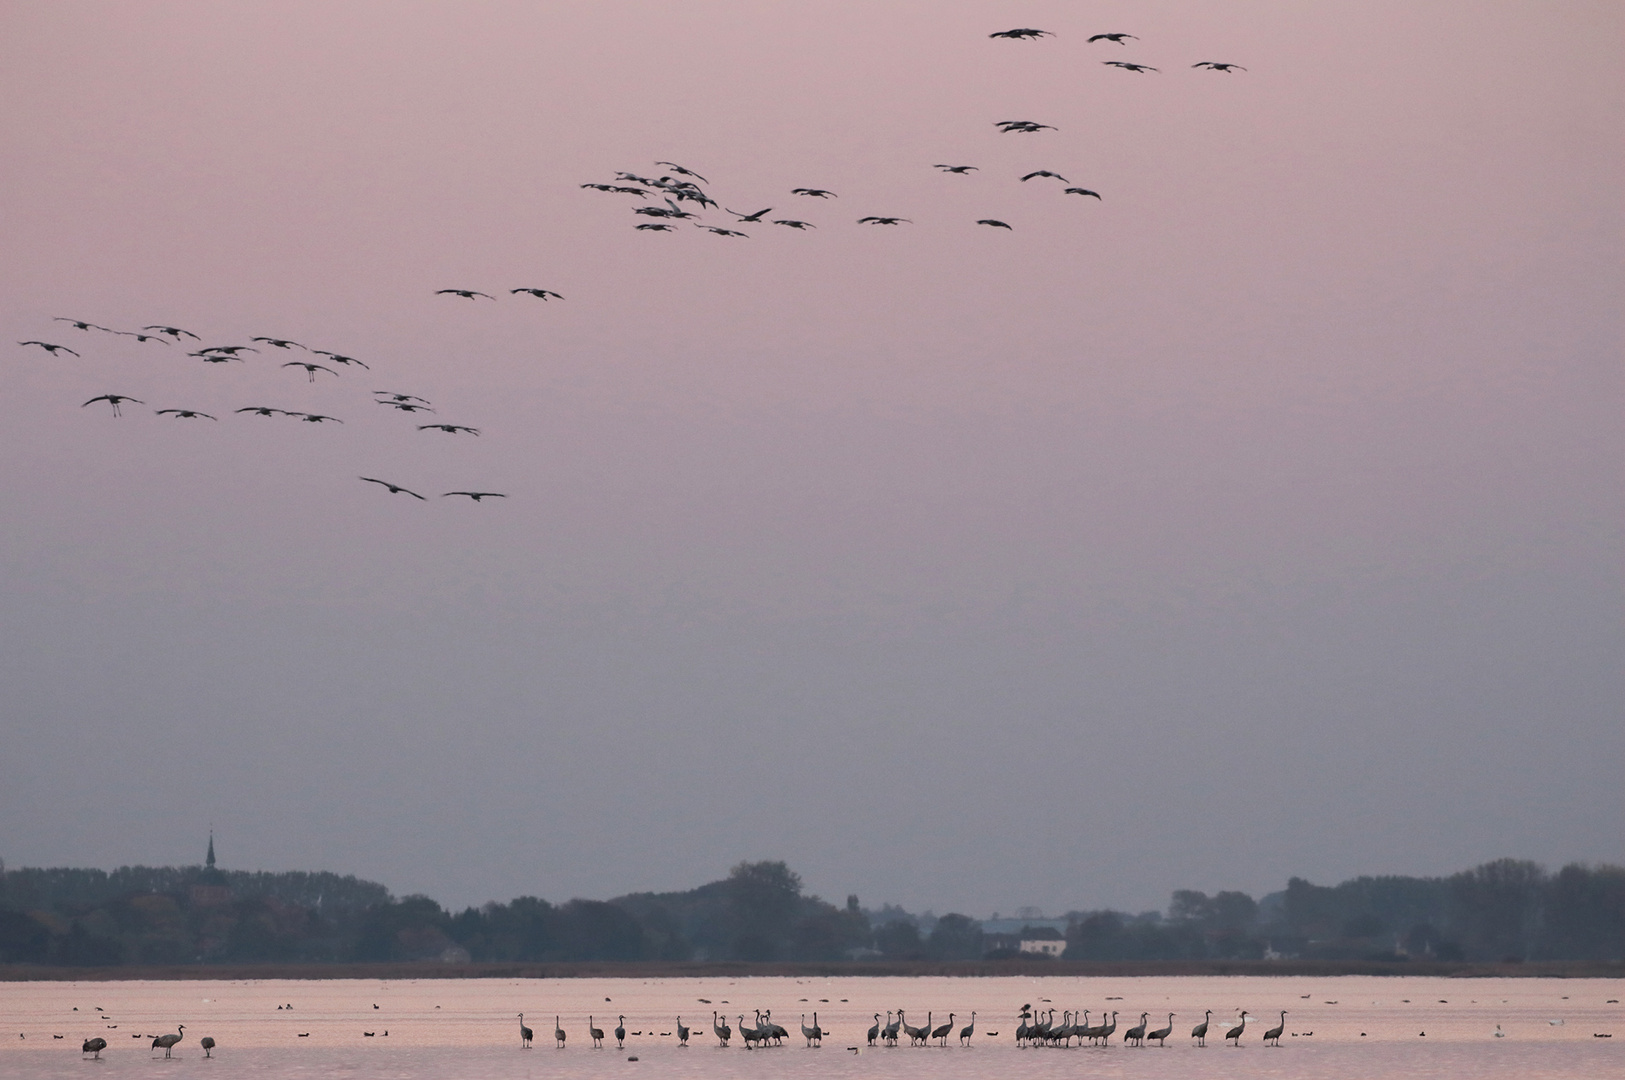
x=1504, y=910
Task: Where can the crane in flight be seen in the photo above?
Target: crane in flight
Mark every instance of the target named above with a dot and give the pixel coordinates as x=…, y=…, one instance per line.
x=449, y=429
x=80, y=324
x=957, y=170
x=279, y=343
x=540, y=294
x=403, y=406
x=216, y=357
x=310, y=368
x=1023, y=126
x=313, y=418
x=1212, y=66
x=1021, y=33
x=142, y=337
x=395, y=489
x=995, y=222
x=875, y=220
x=50, y=348
x=1083, y=191
x=184, y=414
x=265, y=410
x=1117, y=38
x=680, y=171
x=114, y=400
x=340, y=358
x=792, y=223
x=173, y=331
x=814, y=192
x=1126, y=66
x=476, y=495
x=1045, y=172
x=466, y=294
x=755, y=218
x=720, y=231
x=655, y=226
x=401, y=397
x=231, y=350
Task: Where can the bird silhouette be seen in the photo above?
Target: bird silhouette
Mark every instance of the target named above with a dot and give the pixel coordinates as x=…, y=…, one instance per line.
x=655, y=226
x=392, y=396
x=1082, y=191
x=1273, y=1035
x=1136, y=1034
x=184, y=414
x=279, y=343
x=216, y=357
x=396, y=489
x=942, y=1031
x=1024, y=126
x=794, y=224
x=720, y=231
x=340, y=358
x=142, y=337
x=1235, y=1032
x=874, y=1032
x=449, y=429
x=968, y=1030
x=995, y=222
x=114, y=400
x=265, y=410
x=1021, y=33
x=1044, y=172
x=207, y=1042
x=310, y=368
x=540, y=294
x=404, y=406
x=525, y=1034
x=475, y=495
x=680, y=171
x=620, y=1032
x=50, y=348
x=466, y=294
x=1162, y=1033
x=314, y=418
x=558, y=1033
x=80, y=324
x=682, y=1033
x=873, y=220
x=94, y=1046
x=816, y=193
x=173, y=331
x=229, y=350
x=957, y=170
x=1126, y=66
x=1118, y=38
x=596, y=1034
x=1211, y=66
x=756, y=217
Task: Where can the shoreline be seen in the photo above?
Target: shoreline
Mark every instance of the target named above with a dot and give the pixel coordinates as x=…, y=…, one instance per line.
x=857, y=969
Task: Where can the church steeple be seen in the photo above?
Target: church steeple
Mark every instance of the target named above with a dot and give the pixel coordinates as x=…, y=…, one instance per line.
x=208, y=862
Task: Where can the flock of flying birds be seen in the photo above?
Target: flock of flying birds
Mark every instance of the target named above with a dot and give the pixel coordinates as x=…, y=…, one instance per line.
x=682, y=198
x=682, y=185
x=410, y=404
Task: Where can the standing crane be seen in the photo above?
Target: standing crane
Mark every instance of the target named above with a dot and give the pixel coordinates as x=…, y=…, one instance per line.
x=596, y=1034
x=208, y=1044
x=1136, y=1034
x=944, y=1030
x=558, y=1033
x=1274, y=1033
x=889, y=1033
x=525, y=1034
x=1235, y=1032
x=1162, y=1033
x=723, y=1031
x=168, y=1041
x=682, y=1033
x=814, y=1034
x=874, y=1033
x=94, y=1046
x=968, y=1030
x=1199, y=1032
x=620, y=1032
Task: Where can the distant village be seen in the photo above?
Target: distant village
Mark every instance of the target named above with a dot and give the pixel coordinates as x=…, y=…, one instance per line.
x=1506, y=911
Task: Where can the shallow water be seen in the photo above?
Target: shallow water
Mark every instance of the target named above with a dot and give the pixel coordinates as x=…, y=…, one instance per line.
x=1355, y=1027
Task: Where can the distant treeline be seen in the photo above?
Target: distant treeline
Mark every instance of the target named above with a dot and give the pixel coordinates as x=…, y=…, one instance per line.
x=1506, y=910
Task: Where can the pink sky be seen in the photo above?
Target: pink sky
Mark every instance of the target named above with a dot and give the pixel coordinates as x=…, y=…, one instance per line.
x=1262, y=518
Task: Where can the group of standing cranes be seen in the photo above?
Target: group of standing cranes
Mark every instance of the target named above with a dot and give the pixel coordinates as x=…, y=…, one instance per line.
x=1045, y=1032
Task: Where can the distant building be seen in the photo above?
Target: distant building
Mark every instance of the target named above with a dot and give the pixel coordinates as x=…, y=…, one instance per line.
x=1042, y=941
x=211, y=889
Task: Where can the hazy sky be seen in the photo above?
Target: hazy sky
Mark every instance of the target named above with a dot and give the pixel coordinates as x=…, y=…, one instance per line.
x=1263, y=518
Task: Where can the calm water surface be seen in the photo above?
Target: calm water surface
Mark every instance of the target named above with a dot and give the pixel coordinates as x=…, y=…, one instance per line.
x=1354, y=1027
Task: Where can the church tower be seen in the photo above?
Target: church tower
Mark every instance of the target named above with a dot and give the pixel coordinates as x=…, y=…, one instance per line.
x=208, y=861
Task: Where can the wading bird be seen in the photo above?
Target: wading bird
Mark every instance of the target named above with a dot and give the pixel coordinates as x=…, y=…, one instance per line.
x=1273, y=1035
x=279, y=343
x=173, y=331
x=114, y=400
x=167, y=1042
x=968, y=1030
x=957, y=170
x=1118, y=38
x=207, y=1042
x=1082, y=191
x=995, y=222
x=942, y=1031
x=1199, y=1032
x=466, y=294
x=814, y=1034
x=540, y=294
x=1045, y=172
x=1136, y=1034
x=873, y=220
x=449, y=429
x=722, y=1030
x=813, y=192
x=558, y=1033
x=874, y=1032
x=1211, y=66
x=184, y=414
x=620, y=1032
x=310, y=368
x=476, y=495
x=1126, y=66
x=596, y=1034
x=1162, y=1033
x=94, y=1046
x=1235, y=1032
x=1021, y=33
x=396, y=489
x=48, y=347
x=682, y=1032
x=525, y=1034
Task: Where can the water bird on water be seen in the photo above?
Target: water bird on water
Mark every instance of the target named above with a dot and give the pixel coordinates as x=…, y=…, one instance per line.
x=525, y=1034
x=94, y=1046
x=207, y=1042
x=167, y=1042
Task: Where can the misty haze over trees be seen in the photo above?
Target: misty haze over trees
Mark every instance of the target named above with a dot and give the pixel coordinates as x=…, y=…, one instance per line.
x=1507, y=910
